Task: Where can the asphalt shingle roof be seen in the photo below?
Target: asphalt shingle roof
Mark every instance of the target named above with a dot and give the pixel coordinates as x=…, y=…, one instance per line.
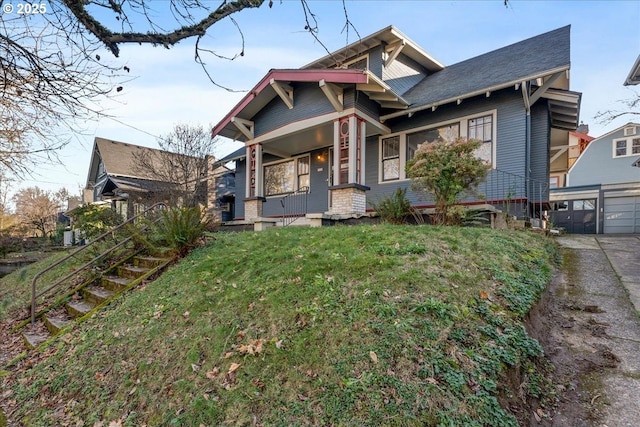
x=531, y=57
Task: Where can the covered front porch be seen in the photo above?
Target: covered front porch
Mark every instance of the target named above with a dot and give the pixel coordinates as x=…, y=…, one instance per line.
x=314, y=148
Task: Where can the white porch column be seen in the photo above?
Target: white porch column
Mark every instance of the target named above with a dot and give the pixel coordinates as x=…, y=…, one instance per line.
x=353, y=149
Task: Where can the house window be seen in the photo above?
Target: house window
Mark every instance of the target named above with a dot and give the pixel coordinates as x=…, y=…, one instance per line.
x=560, y=206
x=584, y=205
x=554, y=181
x=626, y=147
x=397, y=150
x=303, y=172
x=481, y=128
x=621, y=147
x=286, y=177
x=391, y=158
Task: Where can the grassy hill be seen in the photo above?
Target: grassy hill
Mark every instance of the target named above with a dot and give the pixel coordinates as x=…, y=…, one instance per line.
x=365, y=325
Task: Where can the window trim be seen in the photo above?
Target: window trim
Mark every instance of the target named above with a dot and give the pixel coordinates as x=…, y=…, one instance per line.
x=628, y=147
x=296, y=179
x=463, y=122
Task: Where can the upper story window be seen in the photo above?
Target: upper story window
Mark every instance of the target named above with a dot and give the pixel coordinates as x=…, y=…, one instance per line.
x=397, y=150
x=626, y=147
x=287, y=176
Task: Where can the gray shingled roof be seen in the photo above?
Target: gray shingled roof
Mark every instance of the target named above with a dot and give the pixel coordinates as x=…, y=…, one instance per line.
x=532, y=57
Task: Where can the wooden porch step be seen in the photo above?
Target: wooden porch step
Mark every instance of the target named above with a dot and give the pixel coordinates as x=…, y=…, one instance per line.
x=79, y=308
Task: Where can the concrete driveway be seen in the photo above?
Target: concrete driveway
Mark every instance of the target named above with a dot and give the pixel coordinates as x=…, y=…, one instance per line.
x=607, y=271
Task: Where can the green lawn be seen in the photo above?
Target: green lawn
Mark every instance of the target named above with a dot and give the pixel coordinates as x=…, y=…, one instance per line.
x=364, y=325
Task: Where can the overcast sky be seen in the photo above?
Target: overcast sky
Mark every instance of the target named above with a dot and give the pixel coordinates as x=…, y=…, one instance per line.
x=169, y=87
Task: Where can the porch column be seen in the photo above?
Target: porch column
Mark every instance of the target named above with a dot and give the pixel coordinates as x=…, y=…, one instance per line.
x=254, y=183
x=348, y=194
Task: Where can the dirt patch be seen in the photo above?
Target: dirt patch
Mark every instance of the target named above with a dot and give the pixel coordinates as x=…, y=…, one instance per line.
x=564, y=327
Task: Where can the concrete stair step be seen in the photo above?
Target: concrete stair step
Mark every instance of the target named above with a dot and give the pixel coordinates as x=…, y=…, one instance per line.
x=96, y=294
x=115, y=283
x=33, y=340
x=55, y=324
x=132, y=272
x=149, y=261
x=79, y=308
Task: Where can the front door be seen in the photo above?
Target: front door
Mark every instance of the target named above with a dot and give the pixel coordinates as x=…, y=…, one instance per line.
x=330, y=172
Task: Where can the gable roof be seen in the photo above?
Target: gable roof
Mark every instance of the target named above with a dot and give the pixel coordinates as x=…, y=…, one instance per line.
x=634, y=75
x=526, y=60
x=389, y=36
x=119, y=159
x=264, y=92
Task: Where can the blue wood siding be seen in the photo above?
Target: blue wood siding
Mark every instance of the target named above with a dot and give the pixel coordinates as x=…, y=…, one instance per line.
x=241, y=183
x=375, y=61
x=540, y=143
x=596, y=165
x=403, y=74
x=308, y=101
x=510, y=146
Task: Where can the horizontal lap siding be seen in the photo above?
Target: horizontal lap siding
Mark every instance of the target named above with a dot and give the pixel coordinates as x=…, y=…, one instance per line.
x=510, y=145
x=540, y=151
x=241, y=182
x=308, y=101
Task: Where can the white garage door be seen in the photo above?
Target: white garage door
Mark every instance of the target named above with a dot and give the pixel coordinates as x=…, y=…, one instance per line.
x=622, y=214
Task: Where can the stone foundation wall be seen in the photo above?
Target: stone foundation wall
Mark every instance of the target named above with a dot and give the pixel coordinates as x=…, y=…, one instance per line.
x=253, y=208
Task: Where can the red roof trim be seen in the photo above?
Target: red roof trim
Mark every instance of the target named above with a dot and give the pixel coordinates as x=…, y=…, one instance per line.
x=331, y=76
x=582, y=136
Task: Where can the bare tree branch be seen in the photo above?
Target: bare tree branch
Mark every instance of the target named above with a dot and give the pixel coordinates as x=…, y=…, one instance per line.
x=113, y=39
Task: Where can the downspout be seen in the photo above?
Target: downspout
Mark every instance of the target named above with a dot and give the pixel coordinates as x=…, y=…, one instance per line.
x=527, y=136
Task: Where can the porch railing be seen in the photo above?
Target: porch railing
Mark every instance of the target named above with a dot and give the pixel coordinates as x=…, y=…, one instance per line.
x=89, y=264
x=294, y=205
x=515, y=194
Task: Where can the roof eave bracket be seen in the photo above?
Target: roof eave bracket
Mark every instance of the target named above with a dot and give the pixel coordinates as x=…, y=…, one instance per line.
x=244, y=126
x=334, y=94
x=284, y=91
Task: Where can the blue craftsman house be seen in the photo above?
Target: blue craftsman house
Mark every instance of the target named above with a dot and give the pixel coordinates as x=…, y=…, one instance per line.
x=341, y=129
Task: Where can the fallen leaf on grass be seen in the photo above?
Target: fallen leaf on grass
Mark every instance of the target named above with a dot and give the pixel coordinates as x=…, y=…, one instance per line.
x=213, y=373
x=228, y=354
x=373, y=356
x=116, y=423
x=484, y=295
x=194, y=367
x=234, y=367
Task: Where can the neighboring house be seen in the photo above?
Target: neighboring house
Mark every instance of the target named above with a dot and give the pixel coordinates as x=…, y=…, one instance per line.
x=565, y=155
x=634, y=75
x=603, y=195
x=343, y=127
x=116, y=175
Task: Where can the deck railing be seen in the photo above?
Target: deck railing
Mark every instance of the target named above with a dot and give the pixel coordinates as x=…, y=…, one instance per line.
x=294, y=205
x=515, y=194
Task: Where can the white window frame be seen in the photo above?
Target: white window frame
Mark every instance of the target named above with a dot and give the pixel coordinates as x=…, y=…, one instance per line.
x=296, y=176
x=464, y=128
x=628, y=147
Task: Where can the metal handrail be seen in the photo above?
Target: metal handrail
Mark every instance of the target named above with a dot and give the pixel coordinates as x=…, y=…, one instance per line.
x=509, y=190
x=35, y=295
x=294, y=204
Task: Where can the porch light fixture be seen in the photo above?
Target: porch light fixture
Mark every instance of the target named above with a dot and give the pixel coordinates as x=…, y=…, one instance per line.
x=321, y=157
